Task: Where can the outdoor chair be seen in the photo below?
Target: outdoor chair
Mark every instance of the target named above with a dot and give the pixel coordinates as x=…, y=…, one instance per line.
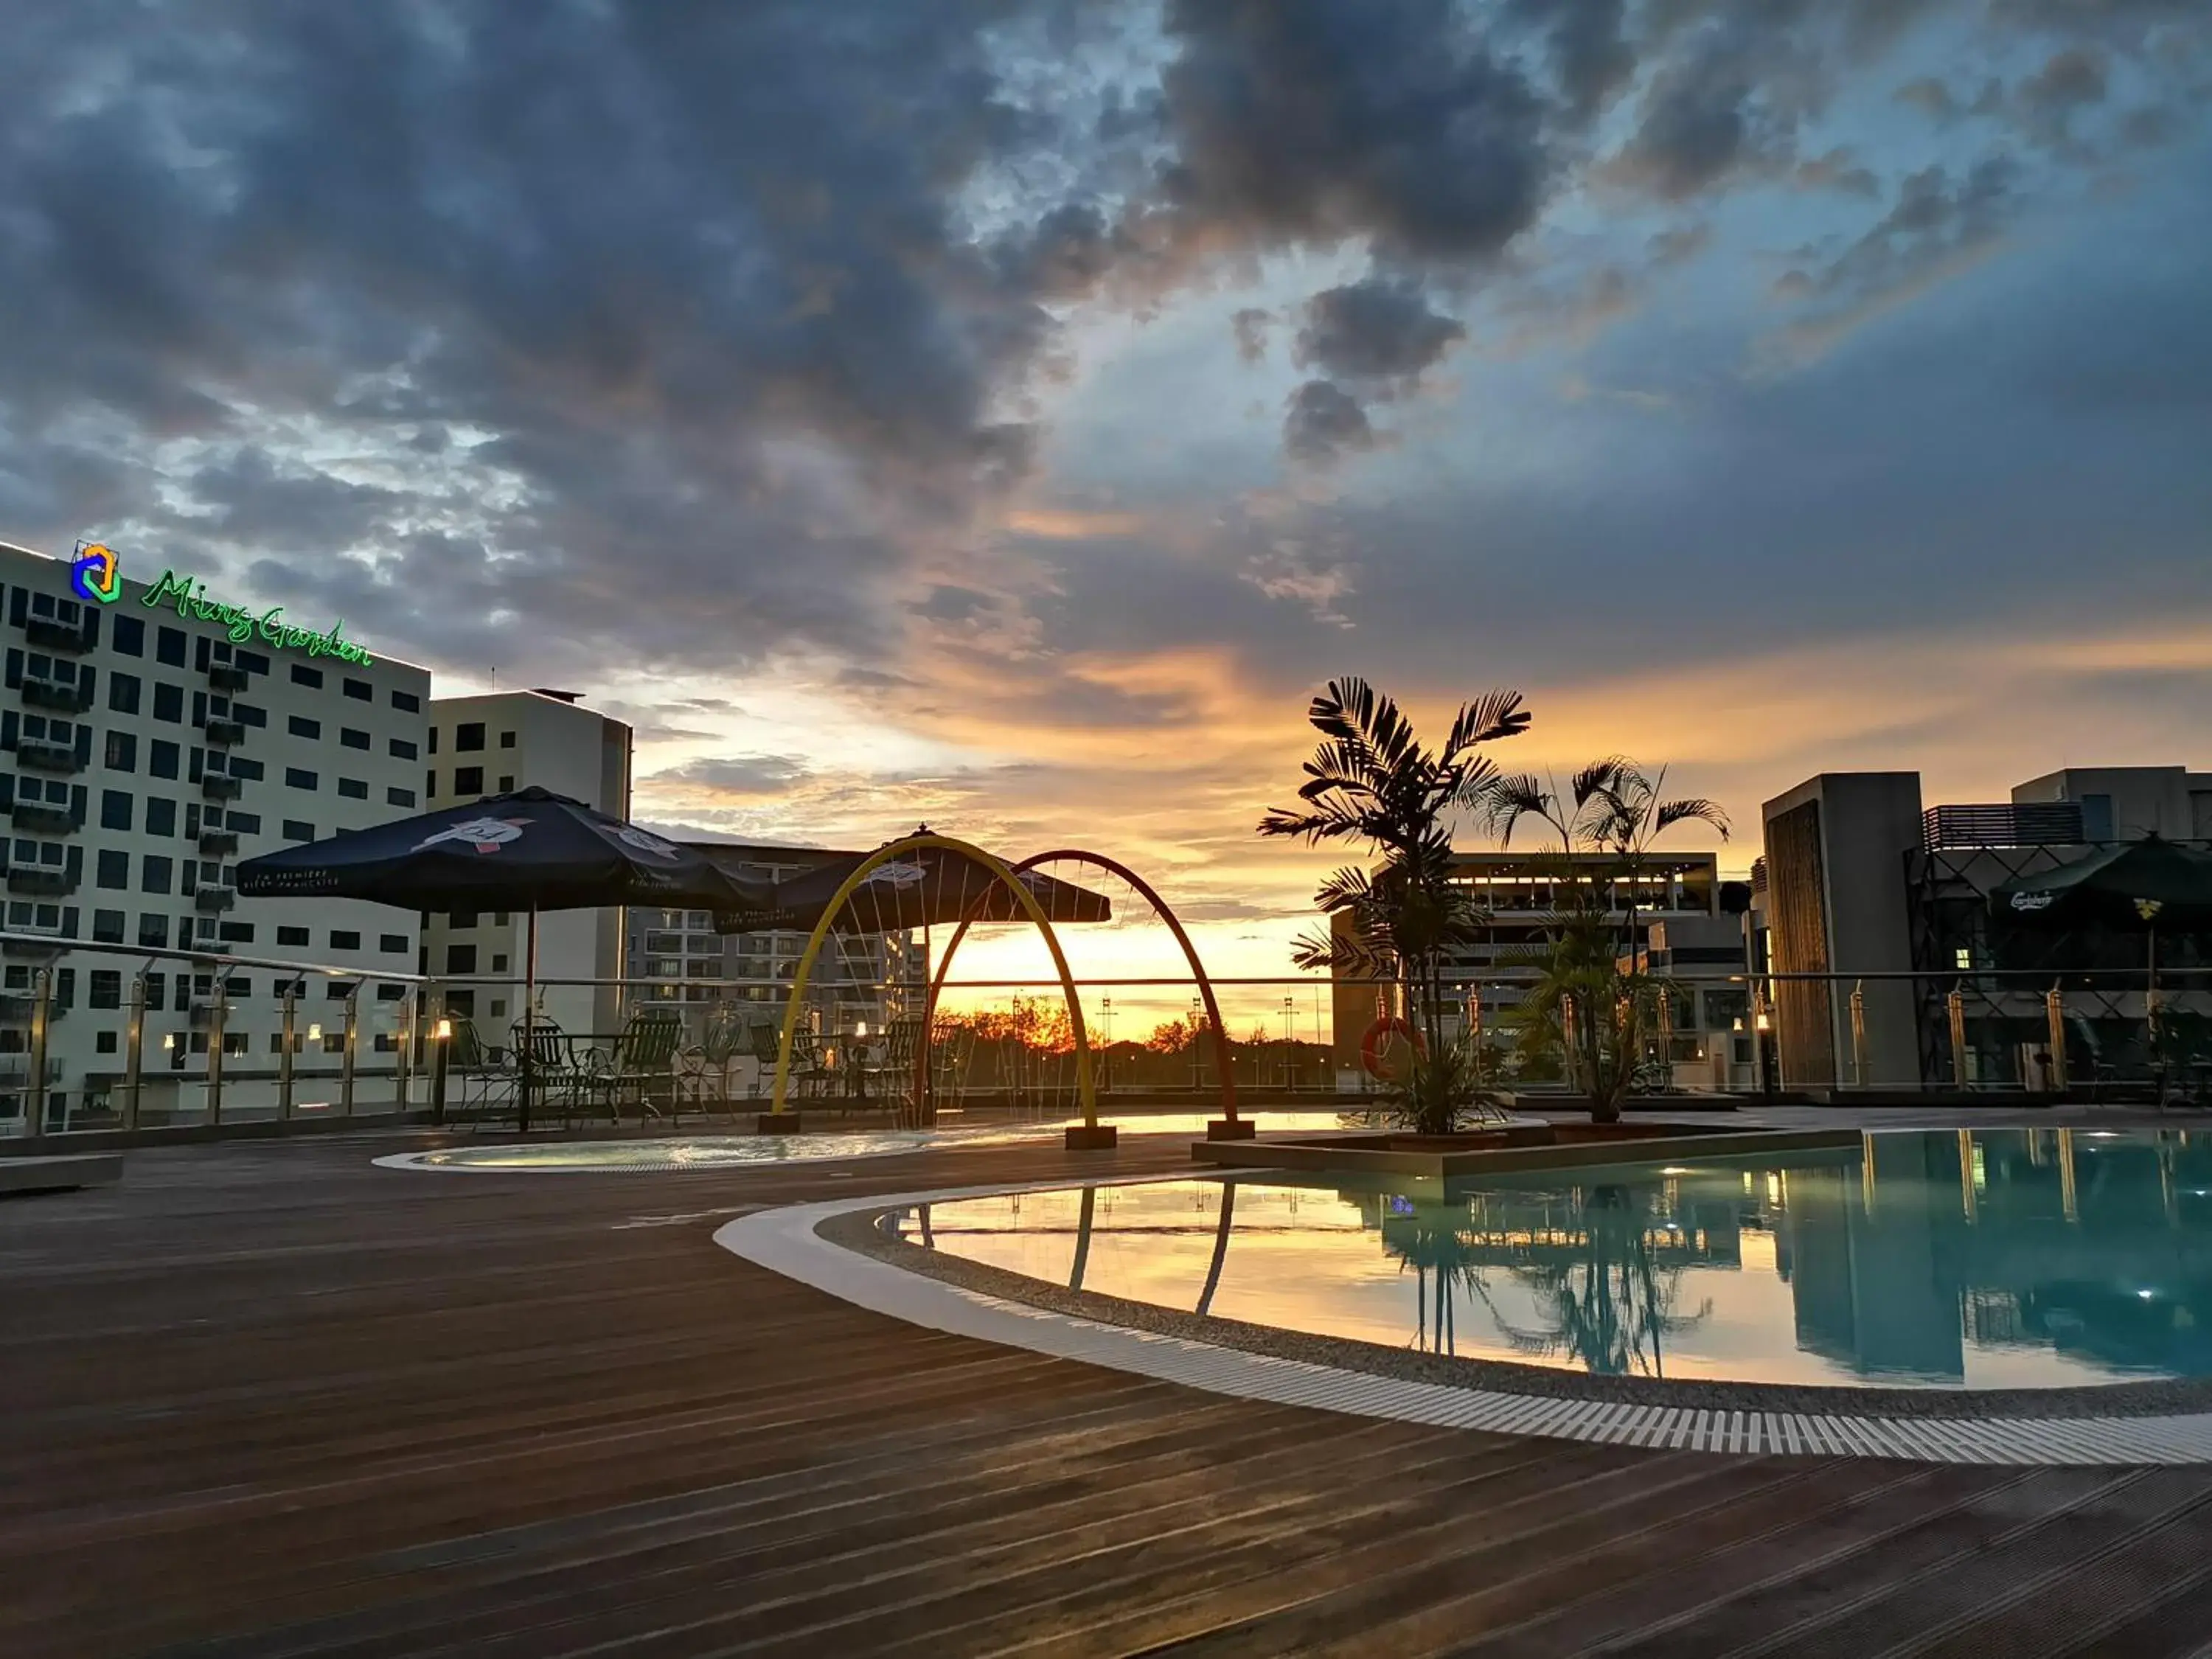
x=472, y=1077
x=811, y=1075
x=554, y=1071
x=643, y=1058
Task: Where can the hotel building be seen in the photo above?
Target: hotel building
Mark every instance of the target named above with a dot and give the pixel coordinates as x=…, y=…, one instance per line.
x=151, y=736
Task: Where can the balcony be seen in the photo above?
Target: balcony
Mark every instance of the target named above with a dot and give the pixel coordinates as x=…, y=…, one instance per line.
x=42, y=818
x=209, y=900
x=215, y=786
x=16, y=1008
x=226, y=677
x=51, y=635
x=223, y=733
x=215, y=842
x=66, y=695
x=42, y=755
x=43, y=880
x=2002, y=823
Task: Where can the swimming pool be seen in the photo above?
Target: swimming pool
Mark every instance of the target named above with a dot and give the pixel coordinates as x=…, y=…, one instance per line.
x=1981, y=1260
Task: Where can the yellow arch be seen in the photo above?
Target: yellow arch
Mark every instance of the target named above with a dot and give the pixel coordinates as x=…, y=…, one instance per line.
x=999, y=871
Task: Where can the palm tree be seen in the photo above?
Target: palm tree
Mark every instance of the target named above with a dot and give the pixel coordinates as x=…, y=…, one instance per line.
x=1372, y=781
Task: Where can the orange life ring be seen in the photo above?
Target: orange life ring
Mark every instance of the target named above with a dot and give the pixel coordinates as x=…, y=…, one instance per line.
x=1371, y=1039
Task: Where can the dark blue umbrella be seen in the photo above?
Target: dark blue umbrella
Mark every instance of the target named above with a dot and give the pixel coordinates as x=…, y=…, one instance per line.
x=528, y=850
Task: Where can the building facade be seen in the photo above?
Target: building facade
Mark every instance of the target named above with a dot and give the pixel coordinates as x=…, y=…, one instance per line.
x=488, y=745
x=153, y=734
x=1881, y=911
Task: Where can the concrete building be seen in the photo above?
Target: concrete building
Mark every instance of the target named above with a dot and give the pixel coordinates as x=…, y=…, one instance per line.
x=862, y=978
x=154, y=734
x=1684, y=916
x=1870, y=892
x=487, y=746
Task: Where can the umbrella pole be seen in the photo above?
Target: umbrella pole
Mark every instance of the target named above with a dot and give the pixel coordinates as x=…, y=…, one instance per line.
x=529, y=1014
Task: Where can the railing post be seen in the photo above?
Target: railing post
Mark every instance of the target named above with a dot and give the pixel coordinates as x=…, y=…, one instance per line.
x=217, y=1017
x=1858, y=1034
x=2054, y=1011
x=291, y=1020
x=434, y=1034
x=134, y=1053
x=1955, y=1005
x=34, y=1091
x=404, y=1049
x=346, y=1055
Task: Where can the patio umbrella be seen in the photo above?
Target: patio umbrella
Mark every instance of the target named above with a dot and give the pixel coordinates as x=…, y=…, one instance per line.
x=527, y=850
x=2140, y=885
x=922, y=888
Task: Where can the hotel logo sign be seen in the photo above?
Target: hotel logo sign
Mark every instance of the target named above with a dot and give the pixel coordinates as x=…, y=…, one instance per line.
x=189, y=596
x=97, y=575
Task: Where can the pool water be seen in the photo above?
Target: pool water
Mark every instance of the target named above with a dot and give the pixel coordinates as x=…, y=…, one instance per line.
x=1996, y=1259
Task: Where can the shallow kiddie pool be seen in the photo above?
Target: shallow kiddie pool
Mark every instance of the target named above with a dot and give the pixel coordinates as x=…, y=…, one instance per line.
x=1982, y=1259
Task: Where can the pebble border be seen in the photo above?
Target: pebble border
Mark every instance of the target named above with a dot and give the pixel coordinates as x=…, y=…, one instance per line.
x=785, y=1241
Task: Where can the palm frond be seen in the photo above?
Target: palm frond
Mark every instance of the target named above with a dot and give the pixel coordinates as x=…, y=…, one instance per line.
x=1490, y=718
x=1510, y=797
x=1600, y=778
x=1672, y=812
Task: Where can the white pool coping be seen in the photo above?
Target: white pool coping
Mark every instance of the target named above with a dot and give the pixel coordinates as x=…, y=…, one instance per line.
x=785, y=1242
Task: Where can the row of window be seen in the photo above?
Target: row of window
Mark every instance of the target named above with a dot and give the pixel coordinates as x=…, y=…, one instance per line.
x=469, y=736
x=467, y=780
x=162, y=756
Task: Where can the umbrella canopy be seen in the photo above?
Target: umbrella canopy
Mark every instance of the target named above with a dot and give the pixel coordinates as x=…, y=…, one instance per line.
x=927, y=887
x=2140, y=885
x=528, y=850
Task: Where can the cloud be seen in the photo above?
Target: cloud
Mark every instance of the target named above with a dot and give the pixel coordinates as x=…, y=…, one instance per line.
x=1324, y=422
x=1679, y=245
x=1251, y=324
x=1837, y=170
x=733, y=774
x=1377, y=330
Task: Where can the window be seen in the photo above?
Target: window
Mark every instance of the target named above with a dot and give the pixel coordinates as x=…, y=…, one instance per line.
x=234, y=932
x=351, y=738
x=169, y=646
x=462, y=920
x=303, y=675
x=241, y=986
x=298, y=777
x=107, y=989
x=468, y=780
x=359, y=690
x=395, y=796
x=246, y=823
x=292, y=936
x=407, y=703
x=162, y=758
x=130, y=636
x=123, y=693
x=300, y=726
x=506, y=740
x=246, y=714
x=353, y=788
x=390, y=993
x=115, y=809
x=168, y=703
x=108, y=927
x=403, y=749
x=460, y=958
x=248, y=771
x=103, y=1043
x=123, y=752
x=393, y=945
x=498, y=963
x=469, y=738
x=154, y=935
x=160, y=817
x=253, y=662
x=430, y=785
x=341, y=989
x=433, y=739
x=156, y=874
x=506, y=785
x=114, y=868
x=296, y=831
x=344, y=939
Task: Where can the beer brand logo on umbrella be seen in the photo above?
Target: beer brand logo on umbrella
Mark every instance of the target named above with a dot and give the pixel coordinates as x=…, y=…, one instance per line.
x=97, y=575
x=898, y=875
x=485, y=835
x=646, y=842
x=2030, y=901
x=2149, y=908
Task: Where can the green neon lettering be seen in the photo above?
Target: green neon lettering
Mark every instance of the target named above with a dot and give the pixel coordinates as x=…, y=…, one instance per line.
x=189, y=597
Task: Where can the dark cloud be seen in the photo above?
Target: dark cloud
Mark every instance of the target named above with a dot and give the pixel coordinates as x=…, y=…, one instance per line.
x=735, y=774
x=1590, y=57
x=1837, y=171
x=1251, y=324
x=1325, y=423
x=1306, y=121
x=1378, y=329
x=1699, y=123
x=2073, y=79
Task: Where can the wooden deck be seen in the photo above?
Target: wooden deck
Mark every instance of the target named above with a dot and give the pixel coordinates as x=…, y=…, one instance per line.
x=267, y=1400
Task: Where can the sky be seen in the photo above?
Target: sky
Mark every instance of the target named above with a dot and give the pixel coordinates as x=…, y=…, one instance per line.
x=1007, y=413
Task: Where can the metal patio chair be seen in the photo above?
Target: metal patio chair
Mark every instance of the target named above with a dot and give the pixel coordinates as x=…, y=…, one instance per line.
x=642, y=1060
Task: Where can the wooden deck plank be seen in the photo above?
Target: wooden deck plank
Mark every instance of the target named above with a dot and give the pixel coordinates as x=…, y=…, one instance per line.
x=268, y=1400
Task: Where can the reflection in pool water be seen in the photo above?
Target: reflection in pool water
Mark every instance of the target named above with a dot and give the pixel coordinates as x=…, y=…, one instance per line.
x=1995, y=1259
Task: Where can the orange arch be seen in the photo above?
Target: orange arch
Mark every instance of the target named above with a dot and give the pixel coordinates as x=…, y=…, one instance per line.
x=1222, y=1058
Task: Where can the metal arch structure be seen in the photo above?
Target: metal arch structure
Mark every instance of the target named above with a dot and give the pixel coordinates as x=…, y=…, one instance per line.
x=1223, y=1059
x=999, y=871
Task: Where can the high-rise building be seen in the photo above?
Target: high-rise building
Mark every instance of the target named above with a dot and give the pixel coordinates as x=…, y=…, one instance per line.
x=153, y=733
x=487, y=746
